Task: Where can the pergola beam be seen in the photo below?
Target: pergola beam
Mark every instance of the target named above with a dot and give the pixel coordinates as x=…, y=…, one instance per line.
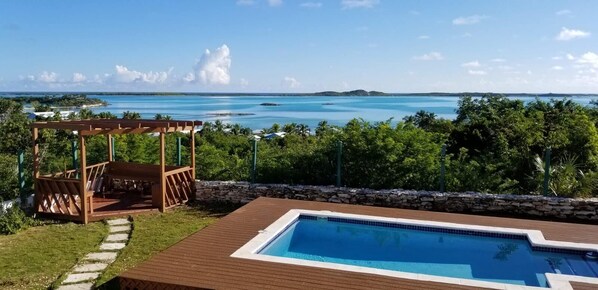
x=119, y=126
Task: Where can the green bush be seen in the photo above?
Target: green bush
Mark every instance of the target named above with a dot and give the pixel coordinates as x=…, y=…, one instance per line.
x=12, y=220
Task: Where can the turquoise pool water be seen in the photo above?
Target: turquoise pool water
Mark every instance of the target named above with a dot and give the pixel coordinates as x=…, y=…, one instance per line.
x=495, y=258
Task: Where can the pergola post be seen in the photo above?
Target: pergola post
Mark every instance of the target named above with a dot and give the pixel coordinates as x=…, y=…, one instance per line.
x=162, y=173
x=37, y=199
x=110, y=149
x=83, y=185
x=193, y=195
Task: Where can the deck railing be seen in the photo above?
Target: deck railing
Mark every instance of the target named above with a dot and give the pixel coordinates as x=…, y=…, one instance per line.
x=59, y=196
x=180, y=186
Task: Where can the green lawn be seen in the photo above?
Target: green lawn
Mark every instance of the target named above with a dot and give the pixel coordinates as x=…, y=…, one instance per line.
x=35, y=257
x=153, y=233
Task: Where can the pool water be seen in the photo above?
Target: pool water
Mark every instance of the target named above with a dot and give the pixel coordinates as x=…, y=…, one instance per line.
x=509, y=260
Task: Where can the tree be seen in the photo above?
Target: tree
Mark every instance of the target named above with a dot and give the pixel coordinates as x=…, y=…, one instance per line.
x=131, y=115
x=14, y=127
x=162, y=117
x=106, y=115
x=86, y=113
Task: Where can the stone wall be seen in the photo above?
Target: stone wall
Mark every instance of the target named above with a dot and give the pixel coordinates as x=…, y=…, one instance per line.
x=467, y=202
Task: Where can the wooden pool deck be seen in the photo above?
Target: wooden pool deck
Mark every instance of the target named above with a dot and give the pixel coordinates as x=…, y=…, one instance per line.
x=202, y=261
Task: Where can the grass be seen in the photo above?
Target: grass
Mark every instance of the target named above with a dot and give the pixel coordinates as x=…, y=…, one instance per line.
x=153, y=233
x=36, y=257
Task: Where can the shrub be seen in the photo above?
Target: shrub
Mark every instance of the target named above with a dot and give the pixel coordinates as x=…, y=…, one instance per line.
x=12, y=220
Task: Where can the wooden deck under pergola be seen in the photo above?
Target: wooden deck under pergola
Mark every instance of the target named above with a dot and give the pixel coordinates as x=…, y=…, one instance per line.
x=70, y=195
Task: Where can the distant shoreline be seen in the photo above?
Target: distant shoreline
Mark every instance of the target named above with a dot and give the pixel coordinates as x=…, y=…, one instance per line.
x=316, y=94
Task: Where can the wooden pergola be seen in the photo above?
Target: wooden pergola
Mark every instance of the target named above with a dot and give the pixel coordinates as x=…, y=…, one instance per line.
x=70, y=194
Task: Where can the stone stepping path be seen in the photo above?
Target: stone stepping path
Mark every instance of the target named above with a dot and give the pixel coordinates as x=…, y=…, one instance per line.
x=84, y=274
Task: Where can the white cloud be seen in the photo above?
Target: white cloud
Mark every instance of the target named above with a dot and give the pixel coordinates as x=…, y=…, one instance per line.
x=243, y=82
x=213, y=68
x=124, y=75
x=48, y=77
x=466, y=35
x=476, y=72
x=245, y=2
x=423, y=37
x=556, y=58
x=505, y=67
x=570, y=34
x=557, y=67
x=311, y=4
x=430, y=56
x=189, y=77
x=291, y=82
x=498, y=60
x=587, y=69
x=79, y=78
x=563, y=12
x=589, y=58
x=349, y=4
x=468, y=20
x=274, y=3
x=474, y=63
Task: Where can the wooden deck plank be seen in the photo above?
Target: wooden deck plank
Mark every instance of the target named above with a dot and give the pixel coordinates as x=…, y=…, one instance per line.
x=203, y=259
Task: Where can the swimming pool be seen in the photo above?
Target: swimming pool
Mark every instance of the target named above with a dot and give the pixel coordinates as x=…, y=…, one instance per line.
x=499, y=258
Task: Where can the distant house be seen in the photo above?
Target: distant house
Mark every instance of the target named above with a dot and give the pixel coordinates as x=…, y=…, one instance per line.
x=275, y=135
x=63, y=114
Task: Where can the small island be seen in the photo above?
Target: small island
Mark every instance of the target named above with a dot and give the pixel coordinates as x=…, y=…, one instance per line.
x=358, y=93
x=229, y=114
x=327, y=104
x=270, y=104
x=63, y=101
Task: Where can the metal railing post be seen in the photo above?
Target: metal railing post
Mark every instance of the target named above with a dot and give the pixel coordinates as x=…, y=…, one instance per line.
x=113, y=149
x=547, y=169
x=442, y=166
x=21, y=177
x=74, y=156
x=178, y=151
x=339, y=155
x=254, y=162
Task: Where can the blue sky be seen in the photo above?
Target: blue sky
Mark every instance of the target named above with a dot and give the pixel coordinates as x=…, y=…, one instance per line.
x=299, y=46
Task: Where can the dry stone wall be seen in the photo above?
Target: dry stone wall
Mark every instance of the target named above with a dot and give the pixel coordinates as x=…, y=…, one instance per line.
x=467, y=202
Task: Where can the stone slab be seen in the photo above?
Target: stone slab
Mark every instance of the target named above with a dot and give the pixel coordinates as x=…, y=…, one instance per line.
x=80, y=277
x=116, y=229
x=117, y=237
x=112, y=246
x=79, y=286
x=118, y=222
x=91, y=267
x=101, y=256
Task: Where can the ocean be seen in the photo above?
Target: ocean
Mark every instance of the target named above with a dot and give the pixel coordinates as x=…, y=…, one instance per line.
x=257, y=112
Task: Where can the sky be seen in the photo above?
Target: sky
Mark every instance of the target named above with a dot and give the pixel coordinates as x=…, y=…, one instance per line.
x=502, y=46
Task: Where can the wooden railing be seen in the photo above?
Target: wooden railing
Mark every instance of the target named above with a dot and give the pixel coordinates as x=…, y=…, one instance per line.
x=93, y=173
x=95, y=176
x=180, y=186
x=59, y=196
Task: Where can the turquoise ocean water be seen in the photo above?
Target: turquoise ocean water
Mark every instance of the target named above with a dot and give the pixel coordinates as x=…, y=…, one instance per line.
x=298, y=109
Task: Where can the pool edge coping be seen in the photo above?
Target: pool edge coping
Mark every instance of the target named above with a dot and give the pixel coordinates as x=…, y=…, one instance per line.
x=535, y=237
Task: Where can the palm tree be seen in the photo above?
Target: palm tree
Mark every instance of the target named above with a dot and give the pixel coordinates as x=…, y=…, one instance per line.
x=162, y=117
x=566, y=179
x=290, y=128
x=131, y=115
x=303, y=130
x=219, y=126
